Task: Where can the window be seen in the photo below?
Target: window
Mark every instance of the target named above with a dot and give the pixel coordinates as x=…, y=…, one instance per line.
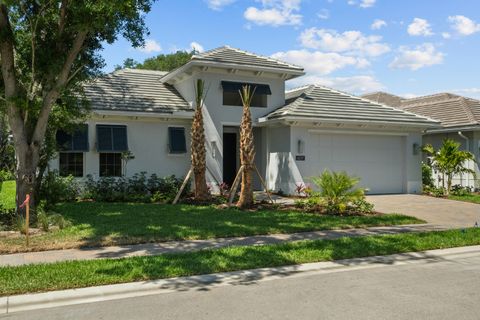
x=176, y=140
x=71, y=163
x=111, y=138
x=110, y=164
x=231, y=95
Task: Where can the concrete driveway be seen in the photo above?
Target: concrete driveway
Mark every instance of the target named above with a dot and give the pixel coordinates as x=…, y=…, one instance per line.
x=436, y=211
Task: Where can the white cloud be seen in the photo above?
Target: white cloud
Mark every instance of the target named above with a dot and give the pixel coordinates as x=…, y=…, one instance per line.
x=196, y=46
x=218, y=4
x=424, y=55
x=362, y=3
x=350, y=42
x=150, y=46
x=320, y=63
x=420, y=27
x=463, y=25
x=378, y=24
x=324, y=14
x=446, y=35
x=355, y=84
x=275, y=13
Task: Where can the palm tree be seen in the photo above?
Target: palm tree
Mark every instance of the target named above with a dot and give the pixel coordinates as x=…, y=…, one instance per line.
x=450, y=160
x=247, y=149
x=197, y=149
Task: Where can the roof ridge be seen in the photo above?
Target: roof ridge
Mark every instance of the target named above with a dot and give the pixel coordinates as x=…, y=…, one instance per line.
x=468, y=110
x=408, y=103
x=433, y=95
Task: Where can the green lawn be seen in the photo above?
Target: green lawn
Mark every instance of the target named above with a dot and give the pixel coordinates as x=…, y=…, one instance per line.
x=101, y=224
x=475, y=198
x=77, y=274
x=7, y=194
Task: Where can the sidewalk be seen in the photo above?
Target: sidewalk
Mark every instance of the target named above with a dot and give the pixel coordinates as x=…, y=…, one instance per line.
x=150, y=249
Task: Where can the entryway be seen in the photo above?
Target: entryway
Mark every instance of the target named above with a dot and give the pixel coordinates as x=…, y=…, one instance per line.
x=230, y=156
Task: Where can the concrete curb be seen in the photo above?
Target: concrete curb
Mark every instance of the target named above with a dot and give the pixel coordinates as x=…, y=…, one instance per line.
x=136, y=289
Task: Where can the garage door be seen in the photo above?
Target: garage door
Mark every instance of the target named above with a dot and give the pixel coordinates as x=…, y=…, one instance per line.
x=377, y=160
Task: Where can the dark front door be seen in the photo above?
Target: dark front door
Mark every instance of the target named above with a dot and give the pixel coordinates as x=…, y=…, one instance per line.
x=229, y=157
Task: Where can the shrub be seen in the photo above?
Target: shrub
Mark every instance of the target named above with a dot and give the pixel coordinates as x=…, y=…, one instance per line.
x=362, y=206
x=458, y=190
x=427, y=178
x=43, y=221
x=434, y=191
x=20, y=224
x=6, y=175
x=338, y=191
x=57, y=189
x=135, y=189
x=6, y=215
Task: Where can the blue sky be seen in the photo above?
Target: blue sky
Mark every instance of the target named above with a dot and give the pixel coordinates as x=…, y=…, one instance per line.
x=408, y=47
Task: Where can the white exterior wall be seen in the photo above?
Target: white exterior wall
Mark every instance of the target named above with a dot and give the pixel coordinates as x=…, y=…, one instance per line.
x=391, y=170
x=464, y=179
x=216, y=115
x=147, y=140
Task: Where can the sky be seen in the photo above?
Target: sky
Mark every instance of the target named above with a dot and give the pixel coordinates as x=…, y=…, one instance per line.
x=408, y=47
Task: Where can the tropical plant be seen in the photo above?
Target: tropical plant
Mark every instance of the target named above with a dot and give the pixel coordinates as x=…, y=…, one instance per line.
x=48, y=49
x=338, y=190
x=197, y=148
x=247, y=149
x=427, y=179
x=450, y=160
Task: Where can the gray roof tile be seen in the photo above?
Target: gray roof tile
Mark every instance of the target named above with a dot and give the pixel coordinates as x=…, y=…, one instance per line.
x=228, y=54
x=320, y=103
x=134, y=90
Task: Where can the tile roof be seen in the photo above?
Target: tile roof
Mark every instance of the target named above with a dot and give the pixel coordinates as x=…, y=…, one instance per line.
x=134, y=90
x=227, y=54
x=384, y=98
x=320, y=103
x=450, y=109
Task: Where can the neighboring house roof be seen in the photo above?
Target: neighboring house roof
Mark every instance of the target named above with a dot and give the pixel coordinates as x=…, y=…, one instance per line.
x=317, y=103
x=134, y=90
x=232, y=58
x=450, y=109
x=384, y=98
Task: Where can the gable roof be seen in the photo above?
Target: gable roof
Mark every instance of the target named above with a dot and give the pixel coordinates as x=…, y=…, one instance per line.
x=450, y=109
x=134, y=90
x=227, y=54
x=318, y=103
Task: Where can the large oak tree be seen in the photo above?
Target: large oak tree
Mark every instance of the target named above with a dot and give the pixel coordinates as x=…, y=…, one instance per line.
x=47, y=49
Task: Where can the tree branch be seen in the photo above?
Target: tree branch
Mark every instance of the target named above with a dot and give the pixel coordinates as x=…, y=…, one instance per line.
x=61, y=80
x=63, y=14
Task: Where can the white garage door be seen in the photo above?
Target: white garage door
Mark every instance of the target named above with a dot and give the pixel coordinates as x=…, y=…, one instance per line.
x=378, y=160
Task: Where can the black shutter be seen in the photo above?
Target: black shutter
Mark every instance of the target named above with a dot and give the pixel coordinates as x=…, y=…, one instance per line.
x=230, y=86
x=112, y=138
x=176, y=137
x=76, y=141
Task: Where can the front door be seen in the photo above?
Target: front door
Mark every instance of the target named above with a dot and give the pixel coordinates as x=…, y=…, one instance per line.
x=229, y=157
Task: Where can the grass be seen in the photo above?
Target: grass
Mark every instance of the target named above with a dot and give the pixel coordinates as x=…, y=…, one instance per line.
x=76, y=274
x=474, y=198
x=7, y=194
x=102, y=224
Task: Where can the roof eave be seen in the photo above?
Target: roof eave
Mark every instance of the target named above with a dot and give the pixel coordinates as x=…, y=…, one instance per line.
x=174, y=114
x=287, y=119
x=443, y=129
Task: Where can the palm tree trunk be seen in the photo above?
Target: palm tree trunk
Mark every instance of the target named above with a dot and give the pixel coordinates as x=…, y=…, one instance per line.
x=247, y=151
x=198, y=150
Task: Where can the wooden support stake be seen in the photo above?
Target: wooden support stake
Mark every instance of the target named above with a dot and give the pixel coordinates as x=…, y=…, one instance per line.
x=184, y=184
x=27, y=222
x=234, y=187
x=263, y=183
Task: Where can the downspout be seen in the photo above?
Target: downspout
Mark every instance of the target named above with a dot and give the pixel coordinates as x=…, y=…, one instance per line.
x=467, y=141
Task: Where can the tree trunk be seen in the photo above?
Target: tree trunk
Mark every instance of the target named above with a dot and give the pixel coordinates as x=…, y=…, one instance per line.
x=246, y=192
x=26, y=182
x=449, y=184
x=198, y=155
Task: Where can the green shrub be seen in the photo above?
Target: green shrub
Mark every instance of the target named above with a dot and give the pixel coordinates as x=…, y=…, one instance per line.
x=57, y=219
x=56, y=189
x=362, y=206
x=20, y=224
x=6, y=175
x=7, y=215
x=135, y=189
x=458, y=190
x=427, y=175
x=43, y=221
x=434, y=191
x=338, y=191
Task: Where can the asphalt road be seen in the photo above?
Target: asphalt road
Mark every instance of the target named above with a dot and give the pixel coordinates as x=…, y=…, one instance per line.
x=440, y=289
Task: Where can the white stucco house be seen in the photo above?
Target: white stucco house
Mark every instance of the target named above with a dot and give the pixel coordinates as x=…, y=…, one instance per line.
x=298, y=133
